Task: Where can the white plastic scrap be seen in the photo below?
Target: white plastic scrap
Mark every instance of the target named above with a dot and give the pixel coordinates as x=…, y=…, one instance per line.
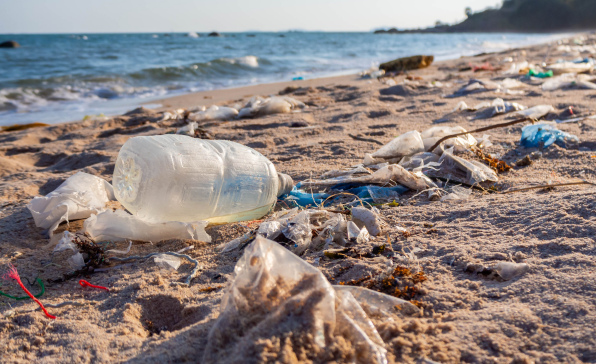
x=405, y=144
x=536, y=112
x=214, y=113
x=80, y=196
x=119, y=225
x=188, y=129
x=166, y=261
x=76, y=262
x=508, y=270
x=115, y=251
x=365, y=218
x=66, y=243
x=458, y=193
x=258, y=106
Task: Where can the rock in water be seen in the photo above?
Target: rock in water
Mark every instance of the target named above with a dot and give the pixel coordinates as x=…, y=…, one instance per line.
x=408, y=63
x=214, y=34
x=9, y=44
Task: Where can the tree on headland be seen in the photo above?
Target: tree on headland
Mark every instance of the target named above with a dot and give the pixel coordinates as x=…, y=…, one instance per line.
x=469, y=12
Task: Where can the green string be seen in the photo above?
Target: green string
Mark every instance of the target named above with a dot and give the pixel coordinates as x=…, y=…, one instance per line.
x=43, y=290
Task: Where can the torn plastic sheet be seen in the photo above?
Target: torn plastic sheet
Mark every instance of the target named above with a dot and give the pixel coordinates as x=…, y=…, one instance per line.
x=404, y=145
x=475, y=172
x=167, y=262
x=275, y=294
x=364, y=217
x=386, y=175
x=119, y=225
x=79, y=197
x=304, y=199
x=214, y=113
x=458, y=193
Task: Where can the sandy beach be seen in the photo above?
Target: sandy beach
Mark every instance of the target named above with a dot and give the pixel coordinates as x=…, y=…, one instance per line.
x=547, y=315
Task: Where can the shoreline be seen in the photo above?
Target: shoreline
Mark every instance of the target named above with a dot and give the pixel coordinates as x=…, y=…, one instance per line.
x=227, y=95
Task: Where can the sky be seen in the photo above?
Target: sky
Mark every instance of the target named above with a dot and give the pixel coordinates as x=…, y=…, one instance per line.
x=120, y=16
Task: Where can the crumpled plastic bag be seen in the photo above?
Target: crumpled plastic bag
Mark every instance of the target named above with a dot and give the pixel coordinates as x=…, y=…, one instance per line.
x=537, y=135
x=167, y=262
x=404, y=145
x=259, y=106
x=80, y=196
x=119, y=225
x=276, y=297
x=214, y=113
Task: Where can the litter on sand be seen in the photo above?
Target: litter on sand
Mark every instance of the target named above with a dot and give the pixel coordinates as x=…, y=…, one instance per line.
x=544, y=135
x=285, y=297
x=79, y=197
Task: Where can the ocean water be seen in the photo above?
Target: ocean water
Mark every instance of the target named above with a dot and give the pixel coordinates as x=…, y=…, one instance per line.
x=62, y=77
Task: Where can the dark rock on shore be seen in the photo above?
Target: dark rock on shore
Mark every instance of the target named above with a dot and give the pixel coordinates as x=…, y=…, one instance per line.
x=214, y=34
x=407, y=63
x=9, y=44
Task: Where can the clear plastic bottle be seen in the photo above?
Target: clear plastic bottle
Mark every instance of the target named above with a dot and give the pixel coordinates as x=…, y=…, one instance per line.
x=178, y=178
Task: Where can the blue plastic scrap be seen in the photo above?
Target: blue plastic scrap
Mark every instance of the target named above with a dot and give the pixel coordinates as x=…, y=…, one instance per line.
x=304, y=199
x=544, y=135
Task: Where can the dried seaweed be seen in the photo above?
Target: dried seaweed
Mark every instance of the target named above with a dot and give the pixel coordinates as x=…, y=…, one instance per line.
x=496, y=164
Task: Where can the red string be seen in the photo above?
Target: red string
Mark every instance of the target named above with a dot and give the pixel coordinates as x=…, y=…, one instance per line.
x=12, y=273
x=84, y=283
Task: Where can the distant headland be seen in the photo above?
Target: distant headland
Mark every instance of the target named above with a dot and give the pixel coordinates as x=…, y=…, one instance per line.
x=520, y=16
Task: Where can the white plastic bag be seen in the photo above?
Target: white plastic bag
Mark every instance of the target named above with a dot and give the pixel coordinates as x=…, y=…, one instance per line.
x=119, y=225
x=536, y=112
x=404, y=145
x=80, y=196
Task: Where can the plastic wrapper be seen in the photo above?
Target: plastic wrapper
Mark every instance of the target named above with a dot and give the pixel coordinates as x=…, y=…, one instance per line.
x=475, y=172
x=364, y=217
x=269, y=229
x=536, y=112
x=214, y=113
x=298, y=229
x=76, y=261
x=273, y=105
x=404, y=145
x=277, y=297
x=167, y=262
x=80, y=196
x=119, y=225
x=341, y=173
x=458, y=193
x=544, y=135
x=377, y=304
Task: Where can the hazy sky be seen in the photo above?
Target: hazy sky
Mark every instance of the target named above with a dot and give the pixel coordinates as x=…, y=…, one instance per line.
x=88, y=16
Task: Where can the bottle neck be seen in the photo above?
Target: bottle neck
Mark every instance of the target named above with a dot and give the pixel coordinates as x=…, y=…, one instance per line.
x=286, y=184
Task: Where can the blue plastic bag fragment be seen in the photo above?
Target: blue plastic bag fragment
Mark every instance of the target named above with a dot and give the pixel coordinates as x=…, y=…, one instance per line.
x=379, y=194
x=304, y=199
x=534, y=136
